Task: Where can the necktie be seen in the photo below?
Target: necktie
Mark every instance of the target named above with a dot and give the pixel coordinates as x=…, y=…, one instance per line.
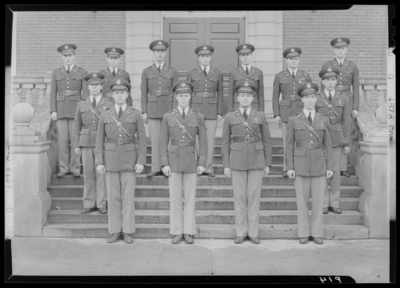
x=245, y=114
x=330, y=97
x=183, y=114
x=293, y=75
x=120, y=112
x=94, y=103
x=159, y=69
x=340, y=63
x=67, y=69
x=309, y=118
x=205, y=71
x=247, y=70
x=113, y=72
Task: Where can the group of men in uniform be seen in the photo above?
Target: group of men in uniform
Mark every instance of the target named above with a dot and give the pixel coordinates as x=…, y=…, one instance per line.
x=182, y=118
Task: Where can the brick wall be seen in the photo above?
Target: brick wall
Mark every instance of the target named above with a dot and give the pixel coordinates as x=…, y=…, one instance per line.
x=40, y=33
x=365, y=26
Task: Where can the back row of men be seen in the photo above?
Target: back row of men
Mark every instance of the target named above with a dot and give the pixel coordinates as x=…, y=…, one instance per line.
x=70, y=84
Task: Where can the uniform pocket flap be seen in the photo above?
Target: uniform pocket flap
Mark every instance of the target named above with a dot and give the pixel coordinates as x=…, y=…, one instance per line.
x=127, y=121
x=299, y=128
x=237, y=146
x=300, y=152
x=259, y=146
x=320, y=153
x=110, y=146
x=130, y=146
x=85, y=131
x=74, y=78
x=339, y=104
x=173, y=148
x=300, y=103
x=167, y=98
x=152, y=98
x=193, y=124
x=197, y=99
x=286, y=103
x=212, y=100
x=60, y=98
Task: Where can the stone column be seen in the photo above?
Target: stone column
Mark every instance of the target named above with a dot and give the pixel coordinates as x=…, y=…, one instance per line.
x=374, y=201
x=42, y=89
x=28, y=92
x=368, y=89
x=32, y=201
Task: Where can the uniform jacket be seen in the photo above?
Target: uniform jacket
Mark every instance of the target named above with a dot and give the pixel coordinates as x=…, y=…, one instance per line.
x=86, y=123
x=114, y=157
x=284, y=84
x=339, y=132
x=307, y=162
x=242, y=156
x=62, y=102
x=257, y=77
x=212, y=106
x=156, y=90
x=348, y=77
x=108, y=77
x=183, y=159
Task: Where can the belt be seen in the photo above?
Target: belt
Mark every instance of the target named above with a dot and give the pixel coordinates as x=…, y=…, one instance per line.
x=160, y=92
x=205, y=94
x=343, y=88
x=245, y=139
x=310, y=145
x=92, y=126
x=335, y=120
x=69, y=93
x=295, y=98
x=121, y=141
x=183, y=143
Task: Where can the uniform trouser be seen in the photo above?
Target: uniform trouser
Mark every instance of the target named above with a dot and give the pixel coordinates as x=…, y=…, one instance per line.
x=155, y=130
x=305, y=186
x=94, y=190
x=284, y=145
x=211, y=126
x=182, y=222
x=247, y=195
x=332, y=195
x=121, y=201
x=65, y=128
x=345, y=158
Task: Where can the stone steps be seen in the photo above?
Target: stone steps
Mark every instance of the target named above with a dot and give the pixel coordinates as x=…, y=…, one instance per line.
x=141, y=179
x=205, y=203
x=348, y=217
x=204, y=231
x=203, y=191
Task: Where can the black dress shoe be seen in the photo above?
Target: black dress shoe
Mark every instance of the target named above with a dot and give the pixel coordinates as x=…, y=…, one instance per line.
x=284, y=174
x=209, y=174
x=188, y=239
x=103, y=210
x=61, y=174
x=114, y=237
x=157, y=173
x=318, y=240
x=304, y=240
x=344, y=173
x=177, y=239
x=325, y=210
x=127, y=238
x=254, y=240
x=335, y=210
x=239, y=240
x=87, y=210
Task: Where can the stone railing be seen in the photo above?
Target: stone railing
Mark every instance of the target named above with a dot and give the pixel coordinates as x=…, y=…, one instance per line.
x=32, y=90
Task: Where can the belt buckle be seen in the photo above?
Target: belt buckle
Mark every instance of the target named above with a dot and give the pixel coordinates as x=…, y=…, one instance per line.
x=158, y=92
x=181, y=143
x=120, y=141
x=205, y=94
x=67, y=93
x=94, y=127
x=311, y=145
x=247, y=139
x=333, y=119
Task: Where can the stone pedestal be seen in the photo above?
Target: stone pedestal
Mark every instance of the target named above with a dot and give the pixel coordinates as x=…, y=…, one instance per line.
x=374, y=201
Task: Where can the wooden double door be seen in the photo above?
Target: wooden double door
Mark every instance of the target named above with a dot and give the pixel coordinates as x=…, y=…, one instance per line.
x=186, y=34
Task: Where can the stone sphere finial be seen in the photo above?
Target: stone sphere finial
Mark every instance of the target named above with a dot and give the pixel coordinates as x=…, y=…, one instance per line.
x=23, y=113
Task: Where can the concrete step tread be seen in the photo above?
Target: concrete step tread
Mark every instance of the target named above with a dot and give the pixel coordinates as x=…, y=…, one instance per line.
x=206, y=212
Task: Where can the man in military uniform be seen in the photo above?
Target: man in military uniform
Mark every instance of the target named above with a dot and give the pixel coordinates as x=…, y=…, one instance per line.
x=347, y=83
x=87, y=117
x=157, y=81
x=67, y=88
x=207, y=98
x=181, y=160
x=247, y=157
x=113, y=72
x=335, y=106
x=309, y=162
x=246, y=72
x=121, y=157
x=286, y=83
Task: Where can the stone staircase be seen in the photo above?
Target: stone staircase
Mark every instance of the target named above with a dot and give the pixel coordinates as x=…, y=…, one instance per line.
x=214, y=206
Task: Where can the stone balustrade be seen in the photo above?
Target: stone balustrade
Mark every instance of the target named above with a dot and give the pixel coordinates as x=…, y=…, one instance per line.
x=29, y=89
x=374, y=90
